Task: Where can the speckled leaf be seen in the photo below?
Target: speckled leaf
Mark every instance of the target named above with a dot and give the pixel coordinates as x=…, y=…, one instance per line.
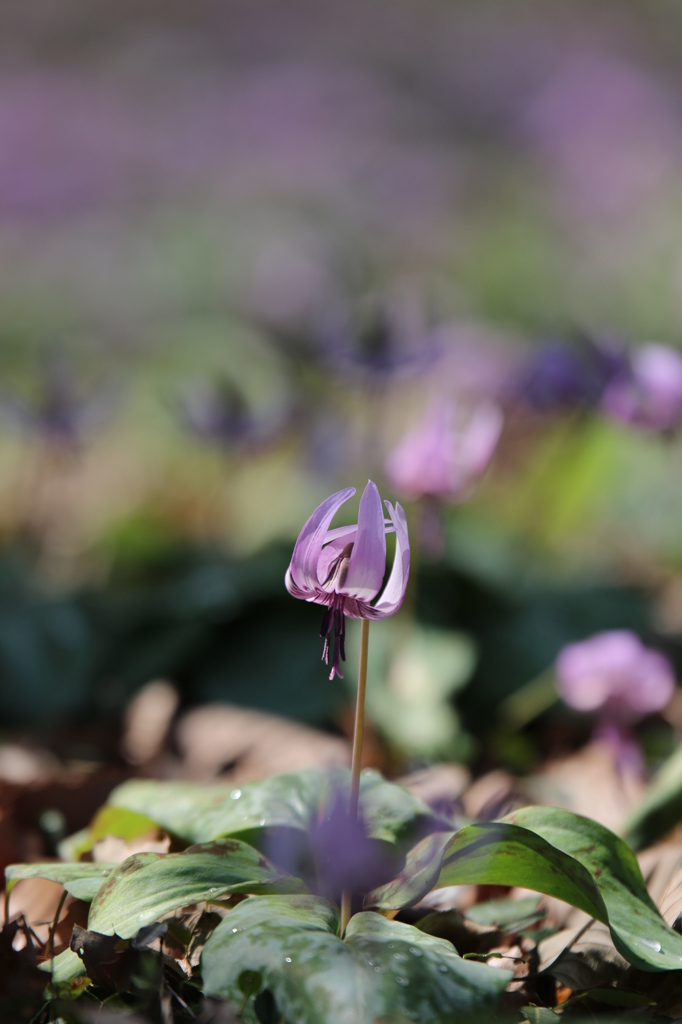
x=509, y=916
x=198, y=813
x=384, y=970
x=65, y=967
x=639, y=932
x=439, y=982
x=148, y=885
x=491, y=854
x=68, y=874
x=540, y=1015
x=109, y=821
x=418, y=877
x=84, y=889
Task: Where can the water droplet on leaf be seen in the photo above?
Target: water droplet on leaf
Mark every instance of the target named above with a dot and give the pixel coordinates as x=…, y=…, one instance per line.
x=287, y=959
x=235, y=794
x=402, y=981
x=415, y=952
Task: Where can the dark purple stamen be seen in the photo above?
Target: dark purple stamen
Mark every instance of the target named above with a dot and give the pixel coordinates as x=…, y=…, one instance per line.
x=326, y=621
x=334, y=617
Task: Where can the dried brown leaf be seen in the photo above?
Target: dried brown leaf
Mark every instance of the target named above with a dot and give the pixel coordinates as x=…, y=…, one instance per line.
x=253, y=743
x=582, y=957
x=587, y=783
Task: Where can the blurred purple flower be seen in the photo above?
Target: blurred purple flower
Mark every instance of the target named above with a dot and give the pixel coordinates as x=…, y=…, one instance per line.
x=344, y=568
x=651, y=394
x=615, y=677
x=219, y=413
x=445, y=454
x=608, y=129
x=336, y=853
x=60, y=414
x=559, y=375
x=345, y=856
x=378, y=340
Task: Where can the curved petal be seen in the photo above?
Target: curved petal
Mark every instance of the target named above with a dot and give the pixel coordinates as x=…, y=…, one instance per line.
x=333, y=550
x=293, y=589
x=303, y=567
x=341, y=531
x=334, y=543
x=368, y=559
x=394, y=592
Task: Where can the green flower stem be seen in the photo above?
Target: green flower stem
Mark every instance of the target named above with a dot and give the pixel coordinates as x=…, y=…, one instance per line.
x=356, y=765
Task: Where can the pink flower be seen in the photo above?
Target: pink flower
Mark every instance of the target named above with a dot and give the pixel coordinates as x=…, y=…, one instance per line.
x=444, y=454
x=344, y=568
x=615, y=676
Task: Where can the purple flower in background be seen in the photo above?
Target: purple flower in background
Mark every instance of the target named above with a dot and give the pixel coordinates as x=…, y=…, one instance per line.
x=379, y=339
x=651, y=394
x=60, y=414
x=445, y=453
x=559, y=375
x=615, y=677
x=344, y=568
x=220, y=413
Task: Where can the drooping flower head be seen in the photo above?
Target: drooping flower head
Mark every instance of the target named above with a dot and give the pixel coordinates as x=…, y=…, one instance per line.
x=615, y=677
x=445, y=453
x=343, y=569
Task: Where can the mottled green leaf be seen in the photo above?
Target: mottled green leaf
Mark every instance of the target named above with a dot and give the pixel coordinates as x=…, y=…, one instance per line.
x=383, y=970
x=490, y=854
x=418, y=877
x=109, y=821
x=540, y=1015
x=84, y=888
x=507, y=915
x=66, y=874
x=199, y=813
x=65, y=967
x=616, y=997
x=639, y=932
x=148, y=885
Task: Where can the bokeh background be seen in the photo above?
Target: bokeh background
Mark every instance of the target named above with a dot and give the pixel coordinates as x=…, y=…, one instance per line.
x=243, y=247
